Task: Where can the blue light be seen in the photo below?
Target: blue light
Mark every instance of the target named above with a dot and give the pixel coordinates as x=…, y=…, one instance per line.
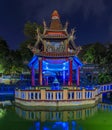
x=49, y=73
x=76, y=59
x=64, y=77
x=33, y=61
x=37, y=125
x=46, y=128
x=64, y=68
x=64, y=124
x=74, y=123
x=56, y=126
x=57, y=66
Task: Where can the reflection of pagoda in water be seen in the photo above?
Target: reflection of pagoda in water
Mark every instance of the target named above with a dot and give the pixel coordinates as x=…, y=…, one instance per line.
x=60, y=115
x=62, y=119
x=55, y=53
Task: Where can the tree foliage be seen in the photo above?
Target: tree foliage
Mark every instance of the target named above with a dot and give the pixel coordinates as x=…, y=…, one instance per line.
x=25, y=52
x=30, y=29
x=97, y=53
x=94, y=53
x=4, y=53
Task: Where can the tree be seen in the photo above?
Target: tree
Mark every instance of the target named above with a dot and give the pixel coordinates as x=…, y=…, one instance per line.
x=25, y=52
x=104, y=78
x=95, y=53
x=14, y=62
x=4, y=53
x=109, y=54
x=30, y=29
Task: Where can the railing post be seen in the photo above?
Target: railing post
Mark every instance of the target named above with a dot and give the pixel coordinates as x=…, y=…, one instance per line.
x=26, y=95
x=83, y=93
x=65, y=94
x=54, y=96
x=75, y=96
x=43, y=94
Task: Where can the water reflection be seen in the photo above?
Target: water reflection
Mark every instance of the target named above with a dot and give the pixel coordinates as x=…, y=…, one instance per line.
x=56, y=115
x=57, y=126
x=53, y=119
x=2, y=113
x=105, y=107
x=56, y=120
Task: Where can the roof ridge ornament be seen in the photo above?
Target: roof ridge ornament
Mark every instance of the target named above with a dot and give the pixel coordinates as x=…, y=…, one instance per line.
x=55, y=15
x=66, y=25
x=44, y=23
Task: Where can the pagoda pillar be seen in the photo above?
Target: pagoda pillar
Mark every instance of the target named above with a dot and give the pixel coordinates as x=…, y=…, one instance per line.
x=32, y=76
x=64, y=77
x=40, y=71
x=46, y=81
x=78, y=76
x=70, y=72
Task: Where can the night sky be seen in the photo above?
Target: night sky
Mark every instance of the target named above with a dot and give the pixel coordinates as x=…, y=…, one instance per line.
x=92, y=19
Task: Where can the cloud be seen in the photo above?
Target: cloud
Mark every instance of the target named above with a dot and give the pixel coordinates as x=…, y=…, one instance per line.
x=42, y=8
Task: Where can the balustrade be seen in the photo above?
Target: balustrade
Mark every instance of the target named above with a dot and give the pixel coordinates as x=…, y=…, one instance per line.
x=61, y=95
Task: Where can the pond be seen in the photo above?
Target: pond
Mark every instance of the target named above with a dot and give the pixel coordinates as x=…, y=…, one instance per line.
x=92, y=118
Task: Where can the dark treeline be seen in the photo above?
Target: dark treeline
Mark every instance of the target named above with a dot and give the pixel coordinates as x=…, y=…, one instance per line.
x=100, y=54
x=14, y=61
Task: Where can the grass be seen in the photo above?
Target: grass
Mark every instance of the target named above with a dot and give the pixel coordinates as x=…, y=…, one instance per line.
x=102, y=120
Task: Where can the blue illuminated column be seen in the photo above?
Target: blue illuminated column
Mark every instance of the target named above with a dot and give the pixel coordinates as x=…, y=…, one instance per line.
x=40, y=71
x=33, y=75
x=46, y=81
x=70, y=72
x=63, y=77
x=78, y=76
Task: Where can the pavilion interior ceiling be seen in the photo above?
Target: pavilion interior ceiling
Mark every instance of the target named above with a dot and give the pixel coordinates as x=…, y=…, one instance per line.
x=54, y=64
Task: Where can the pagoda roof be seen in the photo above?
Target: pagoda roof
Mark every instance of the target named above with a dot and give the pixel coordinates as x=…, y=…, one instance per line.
x=55, y=54
x=56, y=29
x=55, y=34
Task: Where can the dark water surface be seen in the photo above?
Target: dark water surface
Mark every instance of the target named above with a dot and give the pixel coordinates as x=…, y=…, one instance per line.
x=98, y=117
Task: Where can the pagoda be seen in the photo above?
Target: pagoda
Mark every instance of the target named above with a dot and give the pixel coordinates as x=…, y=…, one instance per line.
x=55, y=72
x=55, y=55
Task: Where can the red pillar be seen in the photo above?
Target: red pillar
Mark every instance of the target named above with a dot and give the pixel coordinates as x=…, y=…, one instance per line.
x=32, y=76
x=78, y=76
x=40, y=71
x=70, y=72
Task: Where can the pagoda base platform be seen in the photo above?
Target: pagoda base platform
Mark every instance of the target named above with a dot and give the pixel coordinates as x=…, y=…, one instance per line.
x=57, y=98
x=55, y=104
x=54, y=108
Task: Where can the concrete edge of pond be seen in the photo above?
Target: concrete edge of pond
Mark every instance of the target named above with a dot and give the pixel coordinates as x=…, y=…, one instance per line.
x=53, y=108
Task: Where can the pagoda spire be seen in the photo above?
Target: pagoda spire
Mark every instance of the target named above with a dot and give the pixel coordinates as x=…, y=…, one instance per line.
x=55, y=15
x=55, y=21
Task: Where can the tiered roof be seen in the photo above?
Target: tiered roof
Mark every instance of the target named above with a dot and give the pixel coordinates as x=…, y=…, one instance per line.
x=55, y=32
x=56, y=29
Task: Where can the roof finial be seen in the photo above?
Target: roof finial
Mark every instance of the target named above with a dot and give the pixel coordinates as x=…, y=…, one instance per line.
x=55, y=15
